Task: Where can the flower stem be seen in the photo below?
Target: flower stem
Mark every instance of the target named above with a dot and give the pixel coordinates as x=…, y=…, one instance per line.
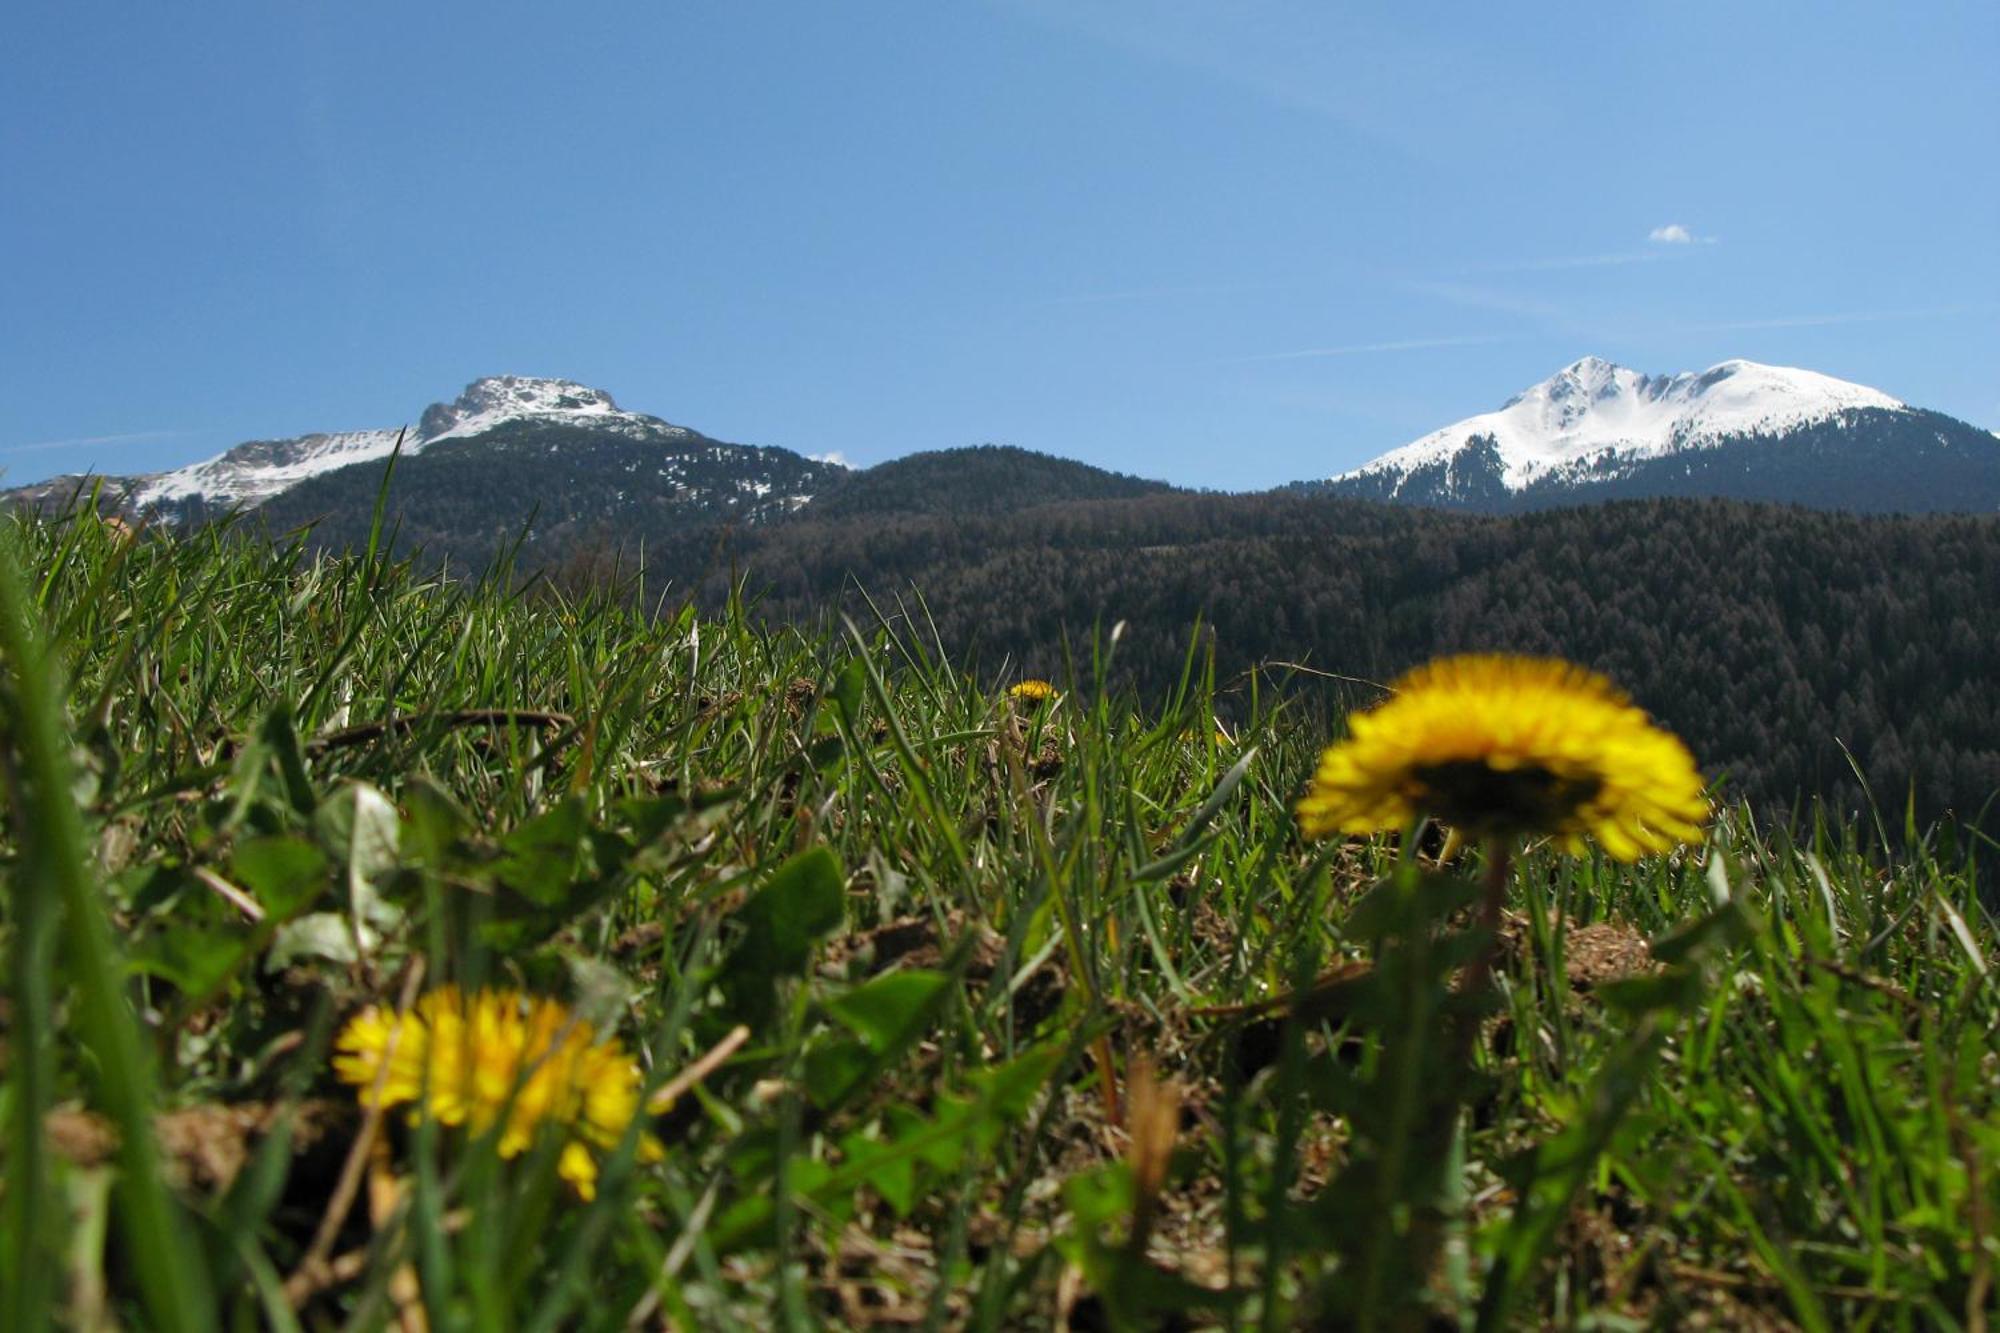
x=1492, y=899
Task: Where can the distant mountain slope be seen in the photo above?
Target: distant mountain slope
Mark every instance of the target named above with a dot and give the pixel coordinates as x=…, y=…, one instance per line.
x=983, y=479
x=594, y=478
x=1596, y=431
x=251, y=473
x=465, y=498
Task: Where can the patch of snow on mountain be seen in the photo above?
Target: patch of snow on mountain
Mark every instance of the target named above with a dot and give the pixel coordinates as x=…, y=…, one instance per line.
x=1594, y=413
x=260, y=469
x=500, y=399
x=251, y=473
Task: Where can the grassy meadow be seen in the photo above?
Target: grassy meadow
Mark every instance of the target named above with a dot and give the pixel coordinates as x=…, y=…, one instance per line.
x=951, y=1009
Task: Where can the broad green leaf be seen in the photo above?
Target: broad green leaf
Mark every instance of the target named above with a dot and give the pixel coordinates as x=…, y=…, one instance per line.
x=360, y=826
x=833, y=1068
x=284, y=874
x=435, y=820
x=891, y=1175
x=1011, y=1088
x=196, y=959
x=884, y=1011
x=542, y=858
x=325, y=935
x=848, y=688
x=802, y=901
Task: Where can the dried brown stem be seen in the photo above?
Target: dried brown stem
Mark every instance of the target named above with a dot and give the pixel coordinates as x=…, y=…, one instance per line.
x=308, y=1276
x=464, y=717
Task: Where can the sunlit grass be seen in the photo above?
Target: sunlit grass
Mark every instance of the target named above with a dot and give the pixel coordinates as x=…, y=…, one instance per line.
x=953, y=926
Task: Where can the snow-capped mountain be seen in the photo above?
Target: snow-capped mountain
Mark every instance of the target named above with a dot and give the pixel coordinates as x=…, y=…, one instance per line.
x=1596, y=430
x=548, y=468
x=1591, y=416
x=254, y=472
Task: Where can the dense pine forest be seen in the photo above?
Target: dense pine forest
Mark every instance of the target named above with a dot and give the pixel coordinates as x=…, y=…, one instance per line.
x=1779, y=640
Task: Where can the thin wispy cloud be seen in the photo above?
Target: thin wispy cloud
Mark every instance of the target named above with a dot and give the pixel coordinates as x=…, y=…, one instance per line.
x=1364, y=349
x=1576, y=261
x=1305, y=68
x=1474, y=297
x=1838, y=317
x=84, y=441
x=1676, y=233
x=1161, y=293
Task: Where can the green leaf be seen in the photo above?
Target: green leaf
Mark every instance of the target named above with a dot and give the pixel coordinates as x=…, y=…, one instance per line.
x=360, y=826
x=891, y=1175
x=1100, y=1197
x=884, y=1011
x=282, y=739
x=284, y=874
x=848, y=687
x=825, y=752
x=1010, y=1089
x=435, y=821
x=315, y=935
x=802, y=901
x=196, y=959
x=543, y=857
x=887, y=1014
x=833, y=1069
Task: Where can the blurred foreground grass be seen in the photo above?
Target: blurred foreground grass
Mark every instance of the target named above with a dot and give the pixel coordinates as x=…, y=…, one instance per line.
x=1013, y=974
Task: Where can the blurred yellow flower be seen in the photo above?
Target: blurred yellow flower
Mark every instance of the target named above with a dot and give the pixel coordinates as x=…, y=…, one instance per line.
x=1031, y=691
x=1494, y=744
x=469, y=1062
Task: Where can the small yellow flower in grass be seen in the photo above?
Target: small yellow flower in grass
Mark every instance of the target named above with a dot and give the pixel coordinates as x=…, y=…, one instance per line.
x=1495, y=745
x=1031, y=691
x=471, y=1061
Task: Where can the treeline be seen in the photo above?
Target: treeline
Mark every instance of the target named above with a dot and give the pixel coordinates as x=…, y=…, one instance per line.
x=1770, y=637
x=983, y=479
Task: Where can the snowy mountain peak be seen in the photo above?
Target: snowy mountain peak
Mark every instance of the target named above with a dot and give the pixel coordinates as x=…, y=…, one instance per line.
x=1594, y=415
x=253, y=472
x=497, y=398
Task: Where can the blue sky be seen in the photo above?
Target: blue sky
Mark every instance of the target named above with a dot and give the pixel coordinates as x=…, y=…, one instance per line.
x=1225, y=244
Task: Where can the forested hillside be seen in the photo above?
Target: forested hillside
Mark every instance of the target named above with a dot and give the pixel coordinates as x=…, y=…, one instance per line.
x=1771, y=637
x=984, y=479
x=463, y=501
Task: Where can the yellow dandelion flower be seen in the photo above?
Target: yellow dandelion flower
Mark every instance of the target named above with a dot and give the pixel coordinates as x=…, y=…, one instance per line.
x=1031, y=691
x=500, y=1053
x=1493, y=744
